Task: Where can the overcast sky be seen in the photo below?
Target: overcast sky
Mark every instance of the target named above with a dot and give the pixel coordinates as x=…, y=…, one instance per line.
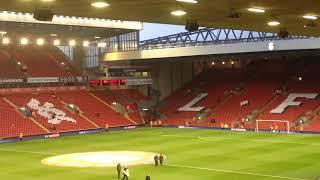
x=157, y=30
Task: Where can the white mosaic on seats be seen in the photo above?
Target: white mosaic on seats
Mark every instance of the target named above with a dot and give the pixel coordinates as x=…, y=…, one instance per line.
x=47, y=110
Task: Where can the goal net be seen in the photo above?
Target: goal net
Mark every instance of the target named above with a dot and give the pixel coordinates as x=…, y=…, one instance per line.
x=273, y=126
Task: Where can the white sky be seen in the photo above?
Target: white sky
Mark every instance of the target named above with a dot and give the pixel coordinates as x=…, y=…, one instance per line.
x=157, y=30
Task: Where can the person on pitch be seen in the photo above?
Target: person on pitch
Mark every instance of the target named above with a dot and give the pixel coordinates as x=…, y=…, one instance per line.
x=148, y=177
x=156, y=160
x=21, y=136
x=107, y=128
x=119, y=170
x=125, y=173
x=161, y=159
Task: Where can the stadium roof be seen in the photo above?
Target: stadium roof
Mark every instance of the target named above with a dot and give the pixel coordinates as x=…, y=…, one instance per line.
x=14, y=29
x=210, y=13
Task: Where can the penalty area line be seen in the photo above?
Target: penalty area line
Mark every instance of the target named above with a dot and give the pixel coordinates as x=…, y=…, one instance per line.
x=236, y=172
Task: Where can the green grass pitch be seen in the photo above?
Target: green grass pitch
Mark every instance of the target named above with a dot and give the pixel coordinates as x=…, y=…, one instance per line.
x=191, y=155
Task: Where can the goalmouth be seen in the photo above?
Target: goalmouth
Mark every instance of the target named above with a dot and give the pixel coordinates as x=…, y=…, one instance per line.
x=273, y=125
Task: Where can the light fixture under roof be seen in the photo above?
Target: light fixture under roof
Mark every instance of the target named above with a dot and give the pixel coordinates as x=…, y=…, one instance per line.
x=310, y=24
x=312, y=17
x=178, y=12
x=53, y=35
x=273, y=23
x=3, y=32
x=5, y=41
x=56, y=42
x=85, y=43
x=40, y=42
x=100, y=4
x=256, y=10
x=101, y=44
x=72, y=43
x=97, y=37
x=188, y=1
x=24, y=41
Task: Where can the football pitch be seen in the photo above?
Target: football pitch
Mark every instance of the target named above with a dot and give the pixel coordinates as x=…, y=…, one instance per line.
x=191, y=154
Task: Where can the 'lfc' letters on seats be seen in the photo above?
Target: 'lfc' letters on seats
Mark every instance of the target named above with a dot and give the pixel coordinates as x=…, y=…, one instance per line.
x=188, y=107
x=290, y=101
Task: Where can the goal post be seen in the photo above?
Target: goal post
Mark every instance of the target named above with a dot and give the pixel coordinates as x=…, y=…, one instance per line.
x=282, y=125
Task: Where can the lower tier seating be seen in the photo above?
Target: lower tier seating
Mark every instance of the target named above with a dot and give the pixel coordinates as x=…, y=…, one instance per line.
x=12, y=123
x=94, y=109
x=80, y=123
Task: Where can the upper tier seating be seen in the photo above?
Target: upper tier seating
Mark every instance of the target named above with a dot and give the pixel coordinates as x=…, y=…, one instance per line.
x=61, y=58
x=38, y=63
x=8, y=68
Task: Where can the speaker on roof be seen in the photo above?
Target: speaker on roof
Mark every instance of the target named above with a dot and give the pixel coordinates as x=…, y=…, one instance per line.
x=192, y=25
x=234, y=14
x=43, y=14
x=283, y=33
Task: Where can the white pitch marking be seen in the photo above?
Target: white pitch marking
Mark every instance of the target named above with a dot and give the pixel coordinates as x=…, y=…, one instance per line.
x=255, y=140
x=206, y=139
x=203, y=138
x=23, y=151
x=236, y=172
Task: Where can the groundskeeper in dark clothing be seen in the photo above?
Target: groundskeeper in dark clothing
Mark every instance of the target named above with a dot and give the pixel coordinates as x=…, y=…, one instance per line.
x=119, y=170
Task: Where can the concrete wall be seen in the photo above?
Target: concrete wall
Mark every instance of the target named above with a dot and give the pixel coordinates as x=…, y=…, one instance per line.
x=249, y=47
x=171, y=75
x=79, y=58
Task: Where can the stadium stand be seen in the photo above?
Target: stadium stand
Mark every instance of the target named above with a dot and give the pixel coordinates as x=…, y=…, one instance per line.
x=127, y=101
x=235, y=97
x=63, y=60
x=80, y=123
x=8, y=68
x=219, y=85
x=99, y=112
x=13, y=123
x=132, y=94
x=270, y=85
x=36, y=62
